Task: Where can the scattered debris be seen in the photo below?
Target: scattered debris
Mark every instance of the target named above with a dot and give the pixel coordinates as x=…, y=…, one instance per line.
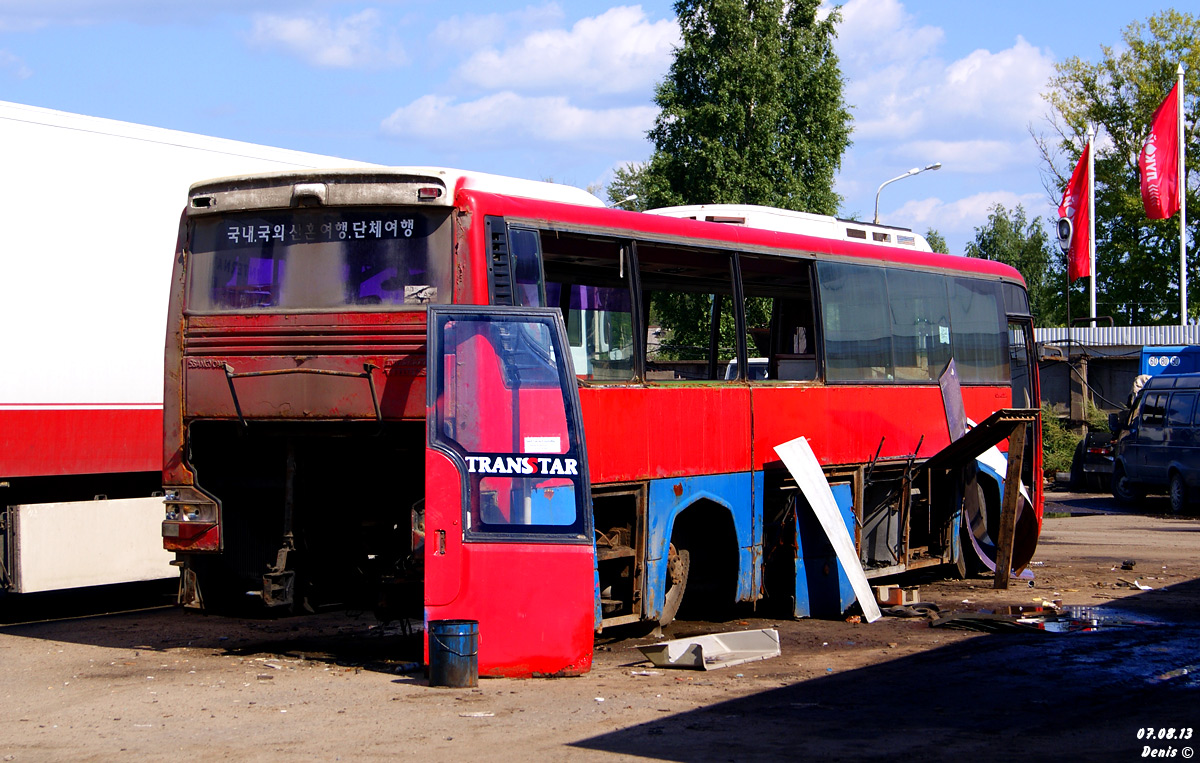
x=894, y=595
x=1128, y=564
x=717, y=650
x=477, y=715
x=644, y=673
x=920, y=609
x=1136, y=584
x=800, y=461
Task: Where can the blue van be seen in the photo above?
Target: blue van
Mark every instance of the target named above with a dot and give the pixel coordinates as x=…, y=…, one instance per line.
x=1159, y=447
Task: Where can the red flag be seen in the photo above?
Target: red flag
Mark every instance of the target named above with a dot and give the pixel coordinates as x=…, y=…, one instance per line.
x=1159, y=160
x=1074, y=207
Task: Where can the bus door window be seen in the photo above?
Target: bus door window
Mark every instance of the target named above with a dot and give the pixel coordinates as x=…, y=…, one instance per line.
x=920, y=324
x=779, y=318
x=502, y=408
x=1019, y=363
x=687, y=296
x=588, y=278
x=856, y=324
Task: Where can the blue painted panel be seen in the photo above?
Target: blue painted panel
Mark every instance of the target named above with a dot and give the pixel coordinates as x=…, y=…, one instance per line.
x=669, y=497
x=553, y=506
x=756, y=550
x=1157, y=361
x=822, y=587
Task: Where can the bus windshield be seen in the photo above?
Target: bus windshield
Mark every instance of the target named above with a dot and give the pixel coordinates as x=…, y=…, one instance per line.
x=319, y=259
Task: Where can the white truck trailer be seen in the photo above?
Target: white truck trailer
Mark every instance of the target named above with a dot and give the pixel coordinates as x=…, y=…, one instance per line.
x=89, y=214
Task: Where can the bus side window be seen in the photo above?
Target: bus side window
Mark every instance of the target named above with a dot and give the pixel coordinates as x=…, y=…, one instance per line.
x=587, y=279
x=525, y=246
x=856, y=323
x=920, y=324
x=780, y=320
x=688, y=299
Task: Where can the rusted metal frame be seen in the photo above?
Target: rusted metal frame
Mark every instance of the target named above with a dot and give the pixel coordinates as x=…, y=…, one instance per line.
x=1008, y=510
x=906, y=480
x=639, y=319
x=637, y=543
x=368, y=369
x=278, y=581
x=6, y=544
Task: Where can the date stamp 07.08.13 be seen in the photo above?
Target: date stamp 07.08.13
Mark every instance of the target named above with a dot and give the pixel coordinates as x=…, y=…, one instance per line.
x=1166, y=742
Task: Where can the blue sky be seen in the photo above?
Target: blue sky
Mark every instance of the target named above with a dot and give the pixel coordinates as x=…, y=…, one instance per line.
x=556, y=90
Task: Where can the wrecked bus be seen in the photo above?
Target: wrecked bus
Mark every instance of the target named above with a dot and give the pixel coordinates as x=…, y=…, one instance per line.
x=453, y=395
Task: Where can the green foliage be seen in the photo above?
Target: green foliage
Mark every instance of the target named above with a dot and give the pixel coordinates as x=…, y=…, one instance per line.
x=633, y=180
x=751, y=109
x=1009, y=238
x=751, y=113
x=1137, y=259
x=1097, y=420
x=936, y=242
x=1058, y=444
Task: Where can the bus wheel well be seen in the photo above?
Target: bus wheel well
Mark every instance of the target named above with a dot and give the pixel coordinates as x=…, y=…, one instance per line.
x=705, y=530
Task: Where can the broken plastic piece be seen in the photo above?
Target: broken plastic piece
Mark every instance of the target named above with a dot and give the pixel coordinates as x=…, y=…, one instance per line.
x=716, y=650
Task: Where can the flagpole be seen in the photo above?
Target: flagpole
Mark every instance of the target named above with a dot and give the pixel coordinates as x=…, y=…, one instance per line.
x=1183, y=308
x=1091, y=174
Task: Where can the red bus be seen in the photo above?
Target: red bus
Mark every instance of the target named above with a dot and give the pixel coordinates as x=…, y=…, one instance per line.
x=451, y=395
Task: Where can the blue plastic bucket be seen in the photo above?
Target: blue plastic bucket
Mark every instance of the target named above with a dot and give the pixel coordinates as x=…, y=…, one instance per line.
x=454, y=653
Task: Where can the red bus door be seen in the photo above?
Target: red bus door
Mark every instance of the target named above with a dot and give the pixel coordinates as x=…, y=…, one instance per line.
x=508, y=525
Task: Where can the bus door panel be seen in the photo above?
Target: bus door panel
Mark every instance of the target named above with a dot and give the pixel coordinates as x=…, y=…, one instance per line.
x=1027, y=393
x=508, y=506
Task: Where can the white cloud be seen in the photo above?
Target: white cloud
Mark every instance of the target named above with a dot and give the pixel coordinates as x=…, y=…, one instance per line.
x=875, y=33
x=472, y=31
x=972, y=156
x=507, y=118
x=619, y=51
x=358, y=41
x=900, y=87
x=1002, y=86
x=10, y=62
x=964, y=215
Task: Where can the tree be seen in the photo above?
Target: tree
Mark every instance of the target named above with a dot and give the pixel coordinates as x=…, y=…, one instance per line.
x=1137, y=259
x=1009, y=238
x=751, y=109
x=751, y=113
x=936, y=242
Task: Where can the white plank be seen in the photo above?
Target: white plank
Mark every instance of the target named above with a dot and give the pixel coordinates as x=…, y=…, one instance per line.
x=799, y=459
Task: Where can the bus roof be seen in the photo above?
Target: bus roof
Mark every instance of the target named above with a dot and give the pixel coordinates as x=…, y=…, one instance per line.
x=745, y=225
x=804, y=223
x=686, y=230
x=451, y=179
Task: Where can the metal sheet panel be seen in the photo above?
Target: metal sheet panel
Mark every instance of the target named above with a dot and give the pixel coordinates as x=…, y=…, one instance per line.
x=88, y=543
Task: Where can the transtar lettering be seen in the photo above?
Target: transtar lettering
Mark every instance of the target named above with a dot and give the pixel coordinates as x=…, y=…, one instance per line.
x=568, y=467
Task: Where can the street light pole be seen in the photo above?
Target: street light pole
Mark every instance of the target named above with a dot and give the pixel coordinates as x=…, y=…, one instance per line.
x=910, y=173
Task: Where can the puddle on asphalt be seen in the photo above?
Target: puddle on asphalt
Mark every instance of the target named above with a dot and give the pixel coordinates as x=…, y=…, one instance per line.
x=1070, y=619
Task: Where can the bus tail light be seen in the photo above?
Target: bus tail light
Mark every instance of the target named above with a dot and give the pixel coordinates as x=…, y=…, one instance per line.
x=429, y=193
x=191, y=536
x=192, y=522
